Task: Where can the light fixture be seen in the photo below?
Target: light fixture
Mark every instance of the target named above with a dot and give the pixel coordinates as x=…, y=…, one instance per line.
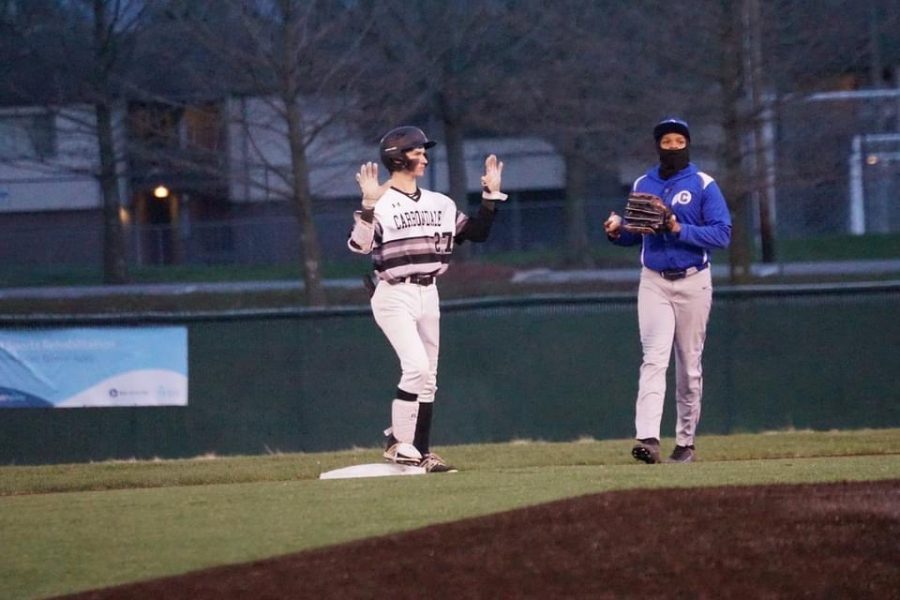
x=160, y=192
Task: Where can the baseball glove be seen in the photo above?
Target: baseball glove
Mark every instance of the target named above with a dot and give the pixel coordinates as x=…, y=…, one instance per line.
x=646, y=213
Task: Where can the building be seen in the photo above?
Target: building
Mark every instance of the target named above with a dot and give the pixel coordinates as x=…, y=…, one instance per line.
x=206, y=182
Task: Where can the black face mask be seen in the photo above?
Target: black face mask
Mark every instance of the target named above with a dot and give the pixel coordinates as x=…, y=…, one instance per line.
x=672, y=161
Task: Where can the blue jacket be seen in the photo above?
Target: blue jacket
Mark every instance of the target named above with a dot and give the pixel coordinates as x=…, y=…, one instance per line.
x=699, y=206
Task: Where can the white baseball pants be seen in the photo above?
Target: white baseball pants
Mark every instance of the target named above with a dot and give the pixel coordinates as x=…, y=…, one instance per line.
x=672, y=311
x=409, y=315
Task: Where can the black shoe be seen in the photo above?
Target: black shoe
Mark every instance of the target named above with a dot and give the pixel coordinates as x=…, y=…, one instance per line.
x=647, y=450
x=682, y=454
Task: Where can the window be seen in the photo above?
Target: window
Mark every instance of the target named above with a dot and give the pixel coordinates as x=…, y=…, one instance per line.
x=27, y=136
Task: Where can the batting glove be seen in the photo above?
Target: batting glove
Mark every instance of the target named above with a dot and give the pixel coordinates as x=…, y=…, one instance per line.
x=490, y=181
x=367, y=178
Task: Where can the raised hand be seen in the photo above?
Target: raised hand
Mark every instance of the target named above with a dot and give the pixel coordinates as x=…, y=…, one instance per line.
x=367, y=178
x=490, y=181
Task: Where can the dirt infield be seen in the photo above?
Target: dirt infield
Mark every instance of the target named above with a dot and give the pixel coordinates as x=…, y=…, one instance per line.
x=797, y=541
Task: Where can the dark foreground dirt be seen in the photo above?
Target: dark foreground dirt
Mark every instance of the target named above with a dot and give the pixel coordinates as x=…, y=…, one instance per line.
x=798, y=541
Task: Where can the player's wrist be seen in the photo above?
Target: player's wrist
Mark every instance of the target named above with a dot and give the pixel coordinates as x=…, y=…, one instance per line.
x=497, y=196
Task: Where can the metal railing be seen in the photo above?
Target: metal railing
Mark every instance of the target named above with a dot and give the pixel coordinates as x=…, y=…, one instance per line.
x=274, y=239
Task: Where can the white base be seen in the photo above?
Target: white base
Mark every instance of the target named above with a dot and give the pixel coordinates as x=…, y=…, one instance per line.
x=372, y=470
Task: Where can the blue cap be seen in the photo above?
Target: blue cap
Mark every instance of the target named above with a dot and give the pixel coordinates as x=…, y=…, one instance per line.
x=671, y=125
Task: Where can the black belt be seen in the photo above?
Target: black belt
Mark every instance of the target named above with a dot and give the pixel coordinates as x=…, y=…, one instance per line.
x=674, y=274
x=417, y=279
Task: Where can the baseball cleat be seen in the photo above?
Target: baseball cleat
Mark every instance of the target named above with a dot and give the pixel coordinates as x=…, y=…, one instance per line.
x=432, y=463
x=647, y=450
x=682, y=454
x=403, y=454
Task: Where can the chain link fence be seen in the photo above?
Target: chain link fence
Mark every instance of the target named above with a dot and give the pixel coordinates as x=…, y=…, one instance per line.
x=838, y=164
x=273, y=240
x=832, y=167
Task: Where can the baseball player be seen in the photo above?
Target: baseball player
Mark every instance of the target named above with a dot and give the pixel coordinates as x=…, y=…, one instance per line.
x=675, y=290
x=411, y=233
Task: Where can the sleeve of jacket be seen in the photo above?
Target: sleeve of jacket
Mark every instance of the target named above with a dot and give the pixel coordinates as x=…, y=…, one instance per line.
x=477, y=228
x=715, y=232
x=626, y=238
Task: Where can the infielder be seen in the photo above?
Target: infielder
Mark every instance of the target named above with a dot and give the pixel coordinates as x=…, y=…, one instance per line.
x=411, y=233
x=675, y=291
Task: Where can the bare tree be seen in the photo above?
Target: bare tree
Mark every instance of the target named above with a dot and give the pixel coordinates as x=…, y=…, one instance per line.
x=295, y=60
x=86, y=62
x=441, y=62
x=111, y=22
x=589, y=77
x=584, y=96
x=727, y=66
x=735, y=183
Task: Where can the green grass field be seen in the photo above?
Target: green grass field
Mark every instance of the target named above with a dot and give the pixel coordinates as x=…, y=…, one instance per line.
x=73, y=527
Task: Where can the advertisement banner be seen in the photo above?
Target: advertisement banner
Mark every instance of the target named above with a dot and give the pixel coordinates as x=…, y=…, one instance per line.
x=97, y=366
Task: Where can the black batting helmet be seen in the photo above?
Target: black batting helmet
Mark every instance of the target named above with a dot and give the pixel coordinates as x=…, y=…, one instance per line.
x=397, y=142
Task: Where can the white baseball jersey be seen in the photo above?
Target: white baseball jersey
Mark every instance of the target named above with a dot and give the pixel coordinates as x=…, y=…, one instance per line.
x=410, y=234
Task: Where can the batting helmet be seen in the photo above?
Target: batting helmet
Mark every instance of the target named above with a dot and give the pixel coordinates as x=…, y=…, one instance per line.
x=397, y=142
x=671, y=125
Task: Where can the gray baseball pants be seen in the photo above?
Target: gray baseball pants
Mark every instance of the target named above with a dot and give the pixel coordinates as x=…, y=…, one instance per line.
x=672, y=312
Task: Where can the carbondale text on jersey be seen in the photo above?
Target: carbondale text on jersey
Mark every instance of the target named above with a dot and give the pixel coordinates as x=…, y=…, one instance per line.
x=417, y=218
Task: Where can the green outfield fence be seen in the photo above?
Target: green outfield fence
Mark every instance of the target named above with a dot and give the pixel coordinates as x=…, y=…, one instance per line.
x=540, y=367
